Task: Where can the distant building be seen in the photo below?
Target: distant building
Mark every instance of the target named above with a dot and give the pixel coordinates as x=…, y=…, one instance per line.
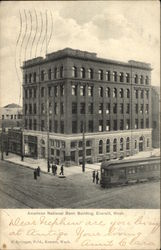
x=71, y=89
x=156, y=117
x=11, y=116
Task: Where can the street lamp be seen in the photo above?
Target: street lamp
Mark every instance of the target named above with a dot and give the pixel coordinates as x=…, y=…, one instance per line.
x=84, y=148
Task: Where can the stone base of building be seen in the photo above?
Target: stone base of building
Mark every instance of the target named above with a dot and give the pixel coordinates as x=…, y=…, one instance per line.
x=68, y=150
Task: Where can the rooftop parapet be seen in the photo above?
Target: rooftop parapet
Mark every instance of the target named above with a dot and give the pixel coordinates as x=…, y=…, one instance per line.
x=139, y=64
x=32, y=61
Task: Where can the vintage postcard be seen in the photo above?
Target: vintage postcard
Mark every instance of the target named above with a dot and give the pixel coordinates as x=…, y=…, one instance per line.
x=79, y=125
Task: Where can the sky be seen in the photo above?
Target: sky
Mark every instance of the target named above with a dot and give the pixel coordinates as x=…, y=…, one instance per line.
x=119, y=30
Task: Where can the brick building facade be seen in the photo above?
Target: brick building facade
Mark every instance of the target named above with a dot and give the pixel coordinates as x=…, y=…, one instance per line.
x=72, y=89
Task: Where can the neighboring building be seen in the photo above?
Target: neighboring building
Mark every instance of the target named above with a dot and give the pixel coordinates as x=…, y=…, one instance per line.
x=76, y=88
x=11, y=116
x=155, y=117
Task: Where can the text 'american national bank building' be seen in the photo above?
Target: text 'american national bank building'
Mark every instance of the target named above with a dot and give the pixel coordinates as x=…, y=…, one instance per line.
x=69, y=90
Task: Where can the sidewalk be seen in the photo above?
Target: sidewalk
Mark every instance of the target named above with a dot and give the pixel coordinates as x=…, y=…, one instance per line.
x=42, y=163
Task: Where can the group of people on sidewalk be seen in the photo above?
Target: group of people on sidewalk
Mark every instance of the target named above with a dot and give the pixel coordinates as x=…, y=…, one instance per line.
x=95, y=176
x=54, y=169
x=37, y=172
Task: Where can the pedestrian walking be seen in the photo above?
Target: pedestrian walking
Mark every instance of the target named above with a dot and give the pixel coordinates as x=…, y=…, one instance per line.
x=61, y=170
x=38, y=171
x=94, y=176
x=56, y=169
x=53, y=168
x=49, y=166
x=35, y=174
x=97, y=177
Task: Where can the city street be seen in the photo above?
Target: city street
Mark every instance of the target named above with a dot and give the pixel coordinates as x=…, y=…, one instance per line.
x=18, y=189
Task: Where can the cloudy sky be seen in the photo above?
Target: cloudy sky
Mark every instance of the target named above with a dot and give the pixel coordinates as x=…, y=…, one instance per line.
x=119, y=30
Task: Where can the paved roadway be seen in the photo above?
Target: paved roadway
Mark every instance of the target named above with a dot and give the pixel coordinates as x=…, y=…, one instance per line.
x=18, y=189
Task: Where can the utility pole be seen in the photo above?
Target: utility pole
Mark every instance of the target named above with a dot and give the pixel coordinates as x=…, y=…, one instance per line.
x=2, y=158
x=47, y=128
x=84, y=148
x=21, y=135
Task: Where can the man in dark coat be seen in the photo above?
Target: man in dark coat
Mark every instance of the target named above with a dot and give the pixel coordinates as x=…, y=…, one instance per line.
x=94, y=176
x=55, y=169
x=97, y=177
x=38, y=171
x=62, y=170
x=35, y=174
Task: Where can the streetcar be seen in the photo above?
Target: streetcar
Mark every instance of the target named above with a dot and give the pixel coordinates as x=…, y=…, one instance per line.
x=126, y=172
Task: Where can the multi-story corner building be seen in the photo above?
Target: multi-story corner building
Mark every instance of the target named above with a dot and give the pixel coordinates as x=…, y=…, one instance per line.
x=70, y=90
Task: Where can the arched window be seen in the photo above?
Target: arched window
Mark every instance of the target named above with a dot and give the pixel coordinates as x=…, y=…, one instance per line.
x=121, y=144
x=127, y=77
x=114, y=93
x=141, y=79
x=100, y=92
x=108, y=146
x=114, y=76
x=128, y=93
x=90, y=73
x=127, y=143
x=107, y=92
x=121, y=93
x=25, y=78
x=100, y=147
x=82, y=72
x=135, y=78
x=74, y=71
x=100, y=74
x=115, y=145
x=42, y=75
x=61, y=72
x=107, y=75
x=55, y=73
x=147, y=80
x=49, y=74
x=121, y=75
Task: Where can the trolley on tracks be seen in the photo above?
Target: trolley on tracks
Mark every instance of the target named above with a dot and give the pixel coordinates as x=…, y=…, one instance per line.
x=126, y=172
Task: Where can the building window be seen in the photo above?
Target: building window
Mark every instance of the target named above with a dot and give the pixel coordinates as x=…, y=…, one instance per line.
x=142, y=123
x=25, y=109
x=50, y=125
x=121, y=124
x=30, y=124
x=115, y=145
x=26, y=123
x=114, y=76
x=42, y=108
x=42, y=91
x=100, y=111
x=11, y=117
x=147, y=109
x=107, y=75
x=100, y=127
x=82, y=72
x=136, y=123
x=147, y=123
x=127, y=124
x=62, y=127
x=90, y=73
x=74, y=71
x=141, y=79
x=107, y=125
x=107, y=108
x=35, y=109
x=74, y=108
x=135, y=78
x=121, y=75
x=147, y=80
x=90, y=90
x=136, y=93
x=42, y=75
x=52, y=151
x=30, y=93
x=90, y=126
x=114, y=124
x=42, y=125
x=34, y=77
x=127, y=77
x=80, y=153
x=82, y=90
x=61, y=108
x=55, y=126
x=55, y=73
x=142, y=94
x=49, y=91
x=141, y=109
x=147, y=94
x=88, y=152
x=56, y=91
x=127, y=108
x=62, y=90
x=30, y=109
x=61, y=72
x=80, y=144
x=56, y=108
x=114, y=93
x=127, y=143
x=107, y=92
x=136, y=108
x=128, y=93
x=88, y=143
x=100, y=92
x=121, y=108
x=100, y=147
x=25, y=78
x=121, y=144
x=90, y=108
x=121, y=93
x=30, y=78
x=50, y=108
x=107, y=146
x=82, y=108
x=49, y=74
x=100, y=74
x=34, y=92
x=74, y=126
x=115, y=108
x=26, y=93
x=74, y=90
x=81, y=126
